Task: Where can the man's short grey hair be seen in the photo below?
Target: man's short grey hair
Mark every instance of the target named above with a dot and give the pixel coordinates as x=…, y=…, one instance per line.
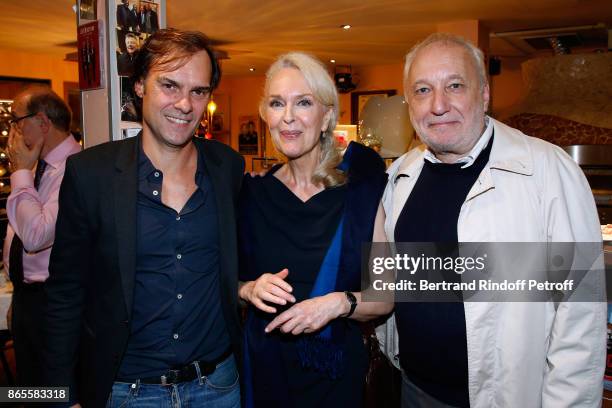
x=449, y=39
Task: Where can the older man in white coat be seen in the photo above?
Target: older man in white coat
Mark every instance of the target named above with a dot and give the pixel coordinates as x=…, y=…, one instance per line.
x=481, y=181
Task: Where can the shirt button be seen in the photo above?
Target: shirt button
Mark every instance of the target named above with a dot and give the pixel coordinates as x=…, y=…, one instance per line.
x=179, y=296
x=175, y=336
x=179, y=256
x=156, y=174
x=178, y=218
x=155, y=192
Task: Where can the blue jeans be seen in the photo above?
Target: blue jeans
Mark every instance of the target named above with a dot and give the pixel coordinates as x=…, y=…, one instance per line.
x=220, y=389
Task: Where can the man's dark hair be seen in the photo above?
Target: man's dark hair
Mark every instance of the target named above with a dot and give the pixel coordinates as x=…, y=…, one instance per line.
x=43, y=99
x=169, y=49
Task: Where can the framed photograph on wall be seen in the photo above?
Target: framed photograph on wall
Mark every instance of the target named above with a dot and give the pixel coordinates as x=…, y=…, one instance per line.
x=248, y=136
x=219, y=126
x=345, y=134
x=88, y=10
x=147, y=17
x=359, y=99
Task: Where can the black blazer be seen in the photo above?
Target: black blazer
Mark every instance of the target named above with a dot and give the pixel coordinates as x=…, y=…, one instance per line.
x=92, y=267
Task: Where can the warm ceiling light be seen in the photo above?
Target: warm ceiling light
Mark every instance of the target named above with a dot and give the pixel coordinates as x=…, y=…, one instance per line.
x=252, y=69
x=345, y=26
x=333, y=61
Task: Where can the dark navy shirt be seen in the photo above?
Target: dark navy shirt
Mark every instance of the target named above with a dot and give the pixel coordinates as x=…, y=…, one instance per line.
x=176, y=314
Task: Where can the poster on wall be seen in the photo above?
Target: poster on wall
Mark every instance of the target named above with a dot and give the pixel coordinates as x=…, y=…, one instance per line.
x=137, y=16
x=136, y=21
x=126, y=51
x=128, y=106
x=345, y=134
x=248, y=138
x=89, y=56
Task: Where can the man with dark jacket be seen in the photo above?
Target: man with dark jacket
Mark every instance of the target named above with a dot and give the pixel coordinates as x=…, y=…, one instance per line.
x=143, y=275
x=125, y=61
x=124, y=19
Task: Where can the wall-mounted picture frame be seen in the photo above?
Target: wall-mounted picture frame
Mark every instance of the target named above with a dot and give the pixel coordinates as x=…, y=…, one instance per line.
x=139, y=16
x=345, y=134
x=359, y=99
x=88, y=10
x=220, y=125
x=248, y=135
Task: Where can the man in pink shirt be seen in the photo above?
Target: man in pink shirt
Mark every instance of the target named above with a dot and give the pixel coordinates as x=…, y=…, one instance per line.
x=39, y=143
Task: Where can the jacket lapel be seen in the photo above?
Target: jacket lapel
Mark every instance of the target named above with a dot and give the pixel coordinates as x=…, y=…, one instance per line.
x=125, y=188
x=219, y=177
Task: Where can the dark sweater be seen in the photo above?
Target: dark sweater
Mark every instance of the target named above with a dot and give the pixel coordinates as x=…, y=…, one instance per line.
x=433, y=345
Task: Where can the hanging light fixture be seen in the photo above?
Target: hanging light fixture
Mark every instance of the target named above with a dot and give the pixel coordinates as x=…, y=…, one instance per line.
x=211, y=107
x=210, y=112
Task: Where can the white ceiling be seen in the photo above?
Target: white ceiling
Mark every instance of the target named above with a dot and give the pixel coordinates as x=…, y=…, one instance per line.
x=253, y=32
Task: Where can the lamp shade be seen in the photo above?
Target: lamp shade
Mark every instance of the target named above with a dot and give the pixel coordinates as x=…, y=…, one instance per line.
x=387, y=120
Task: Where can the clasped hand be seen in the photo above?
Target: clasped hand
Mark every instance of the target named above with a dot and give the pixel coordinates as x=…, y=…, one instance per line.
x=307, y=316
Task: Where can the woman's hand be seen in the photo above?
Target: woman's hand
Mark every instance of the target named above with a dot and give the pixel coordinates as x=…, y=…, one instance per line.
x=310, y=315
x=268, y=288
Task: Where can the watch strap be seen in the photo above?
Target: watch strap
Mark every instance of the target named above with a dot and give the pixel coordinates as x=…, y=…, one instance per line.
x=352, y=301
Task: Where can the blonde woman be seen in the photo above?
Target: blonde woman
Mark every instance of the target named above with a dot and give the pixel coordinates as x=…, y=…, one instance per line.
x=301, y=229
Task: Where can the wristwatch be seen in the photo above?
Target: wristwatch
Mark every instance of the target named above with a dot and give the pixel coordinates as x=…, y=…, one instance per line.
x=353, y=302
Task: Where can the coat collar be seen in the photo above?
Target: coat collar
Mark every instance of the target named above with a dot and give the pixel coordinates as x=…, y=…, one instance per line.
x=125, y=188
x=510, y=151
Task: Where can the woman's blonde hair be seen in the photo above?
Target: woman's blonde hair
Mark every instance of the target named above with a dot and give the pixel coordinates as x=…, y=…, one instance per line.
x=324, y=91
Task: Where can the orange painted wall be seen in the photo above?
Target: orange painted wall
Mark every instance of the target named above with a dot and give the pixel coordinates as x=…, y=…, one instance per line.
x=244, y=93
x=40, y=66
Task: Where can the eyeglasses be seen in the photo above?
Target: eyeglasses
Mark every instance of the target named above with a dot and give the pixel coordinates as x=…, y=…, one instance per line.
x=14, y=121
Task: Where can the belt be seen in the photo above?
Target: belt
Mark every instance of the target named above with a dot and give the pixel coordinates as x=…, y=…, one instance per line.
x=186, y=373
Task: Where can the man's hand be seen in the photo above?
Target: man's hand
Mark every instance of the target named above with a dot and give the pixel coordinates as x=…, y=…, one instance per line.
x=310, y=315
x=20, y=156
x=269, y=288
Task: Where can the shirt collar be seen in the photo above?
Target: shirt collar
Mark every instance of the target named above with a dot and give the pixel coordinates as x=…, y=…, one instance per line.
x=61, y=151
x=146, y=167
x=468, y=159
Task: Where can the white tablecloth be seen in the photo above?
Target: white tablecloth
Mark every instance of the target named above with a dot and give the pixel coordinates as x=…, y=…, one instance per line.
x=5, y=301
